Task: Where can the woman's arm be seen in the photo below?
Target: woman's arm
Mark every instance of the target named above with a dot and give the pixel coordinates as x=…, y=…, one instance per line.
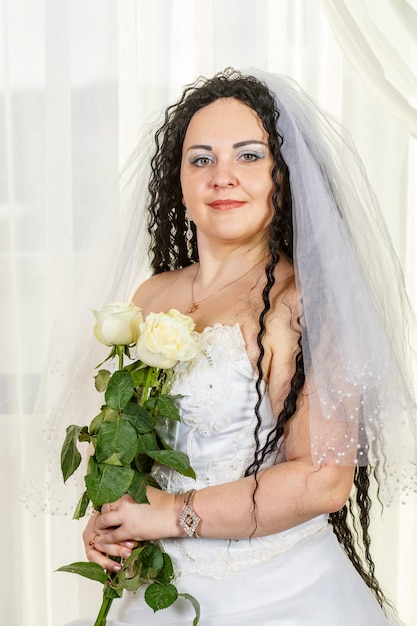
x=288, y=494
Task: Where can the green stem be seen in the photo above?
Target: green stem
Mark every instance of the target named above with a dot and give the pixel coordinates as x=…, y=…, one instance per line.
x=120, y=352
x=104, y=610
x=147, y=384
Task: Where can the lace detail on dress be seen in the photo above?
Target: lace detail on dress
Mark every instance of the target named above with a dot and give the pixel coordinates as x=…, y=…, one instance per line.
x=205, y=405
x=217, y=411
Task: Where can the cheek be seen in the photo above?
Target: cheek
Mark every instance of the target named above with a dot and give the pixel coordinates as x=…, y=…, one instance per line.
x=186, y=198
x=186, y=187
x=264, y=190
x=265, y=197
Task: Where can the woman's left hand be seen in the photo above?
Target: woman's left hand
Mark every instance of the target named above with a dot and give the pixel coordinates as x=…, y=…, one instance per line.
x=126, y=520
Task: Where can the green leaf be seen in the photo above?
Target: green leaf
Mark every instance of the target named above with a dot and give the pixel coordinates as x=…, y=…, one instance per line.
x=132, y=584
x=81, y=507
x=140, y=419
x=126, y=351
x=147, y=442
x=119, y=390
x=84, y=435
x=139, y=377
x=152, y=558
x=131, y=562
x=70, y=456
x=167, y=572
x=196, y=606
x=96, y=423
x=167, y=407
x=118, y=441
x=110, y=592
x=137, y=488
x=173, y=458
x=107, y=483
x=106, y=415
x=143, y=463
x=162, y=444
x=113, y=460
x=102, y=380
x=159, y=596
x=93, y=571
x=136, y=365
x=110, y=415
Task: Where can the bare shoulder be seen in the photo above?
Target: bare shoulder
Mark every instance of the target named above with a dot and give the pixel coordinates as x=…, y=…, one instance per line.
x=152, y=284
x=160, y=292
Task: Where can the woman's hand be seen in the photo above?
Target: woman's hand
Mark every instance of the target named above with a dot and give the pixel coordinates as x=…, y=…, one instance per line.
x=120, y=525
x=98, y=549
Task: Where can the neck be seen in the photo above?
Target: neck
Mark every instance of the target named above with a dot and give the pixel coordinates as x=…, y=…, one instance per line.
x=217, y=278
x=218, y=266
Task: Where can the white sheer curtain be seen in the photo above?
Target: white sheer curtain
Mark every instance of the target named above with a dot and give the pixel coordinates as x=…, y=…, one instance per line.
x=77, y=81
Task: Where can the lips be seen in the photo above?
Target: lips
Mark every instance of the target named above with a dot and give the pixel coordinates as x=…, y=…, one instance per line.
x=226, y=204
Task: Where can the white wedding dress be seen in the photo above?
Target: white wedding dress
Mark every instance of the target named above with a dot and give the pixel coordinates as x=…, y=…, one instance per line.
x=300, y=577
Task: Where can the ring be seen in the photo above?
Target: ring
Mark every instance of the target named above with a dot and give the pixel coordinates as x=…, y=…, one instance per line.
x=91, y=542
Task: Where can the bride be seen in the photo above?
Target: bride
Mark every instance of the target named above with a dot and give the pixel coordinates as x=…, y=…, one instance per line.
x=291, y=405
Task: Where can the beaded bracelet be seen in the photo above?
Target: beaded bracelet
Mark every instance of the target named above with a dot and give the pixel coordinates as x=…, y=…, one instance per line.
x=189, y=519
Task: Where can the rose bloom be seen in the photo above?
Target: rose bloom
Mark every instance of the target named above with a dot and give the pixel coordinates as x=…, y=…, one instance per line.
x=166, y=338
x=117, y=324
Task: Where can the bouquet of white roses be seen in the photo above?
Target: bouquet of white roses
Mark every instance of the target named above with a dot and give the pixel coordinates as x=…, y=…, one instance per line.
x=125, y=440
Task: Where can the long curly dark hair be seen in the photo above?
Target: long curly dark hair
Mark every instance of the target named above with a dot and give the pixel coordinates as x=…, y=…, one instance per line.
x=167, y=227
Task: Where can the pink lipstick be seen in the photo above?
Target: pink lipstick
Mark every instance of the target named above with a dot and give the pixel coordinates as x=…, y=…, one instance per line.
x=226, y=204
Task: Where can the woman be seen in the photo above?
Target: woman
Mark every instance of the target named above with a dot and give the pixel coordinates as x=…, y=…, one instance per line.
x=290, y=400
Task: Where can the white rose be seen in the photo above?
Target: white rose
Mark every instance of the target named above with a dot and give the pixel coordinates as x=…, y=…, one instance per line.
x=117, y=324
x=166, y=338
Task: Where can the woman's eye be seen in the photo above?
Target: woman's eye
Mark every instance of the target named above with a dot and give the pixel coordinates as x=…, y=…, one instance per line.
x=201, y=161
x=251, y=156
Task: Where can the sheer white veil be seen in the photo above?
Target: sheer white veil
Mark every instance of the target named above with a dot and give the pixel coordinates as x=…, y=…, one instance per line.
x=111, y=263
x=358, y=329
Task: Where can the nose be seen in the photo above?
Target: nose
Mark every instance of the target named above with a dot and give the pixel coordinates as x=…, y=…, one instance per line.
x=224, y=175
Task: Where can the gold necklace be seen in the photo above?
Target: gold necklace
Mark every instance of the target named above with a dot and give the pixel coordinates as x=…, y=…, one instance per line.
x=195, y=305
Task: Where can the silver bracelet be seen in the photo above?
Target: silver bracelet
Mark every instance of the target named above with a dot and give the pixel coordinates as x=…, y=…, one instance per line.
x=189, y=519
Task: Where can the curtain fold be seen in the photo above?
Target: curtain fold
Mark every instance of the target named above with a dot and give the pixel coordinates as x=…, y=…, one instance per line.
x=373, y=58
x=77, y=82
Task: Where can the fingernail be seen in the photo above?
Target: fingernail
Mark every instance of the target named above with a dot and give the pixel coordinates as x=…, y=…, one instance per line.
x=116, y=567
x=126, y=554
x=129, y=544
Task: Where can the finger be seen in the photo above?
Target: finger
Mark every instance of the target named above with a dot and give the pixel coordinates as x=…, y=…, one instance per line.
x=108, y=522
x=108, y=564
x=99, y=550
x=111, y=506
x=121, y=535
x=106, y=545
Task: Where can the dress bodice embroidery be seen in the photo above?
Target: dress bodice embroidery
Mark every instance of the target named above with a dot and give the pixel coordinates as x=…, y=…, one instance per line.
x=217, y=410
x=217, y=432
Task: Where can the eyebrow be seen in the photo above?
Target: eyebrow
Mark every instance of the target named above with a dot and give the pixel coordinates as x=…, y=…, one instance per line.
x=239, y=144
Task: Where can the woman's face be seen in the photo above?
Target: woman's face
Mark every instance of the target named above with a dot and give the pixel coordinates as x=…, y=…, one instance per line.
x=226, y=173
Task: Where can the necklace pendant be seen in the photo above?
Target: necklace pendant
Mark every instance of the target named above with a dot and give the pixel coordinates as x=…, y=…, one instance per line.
x=193, y=307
